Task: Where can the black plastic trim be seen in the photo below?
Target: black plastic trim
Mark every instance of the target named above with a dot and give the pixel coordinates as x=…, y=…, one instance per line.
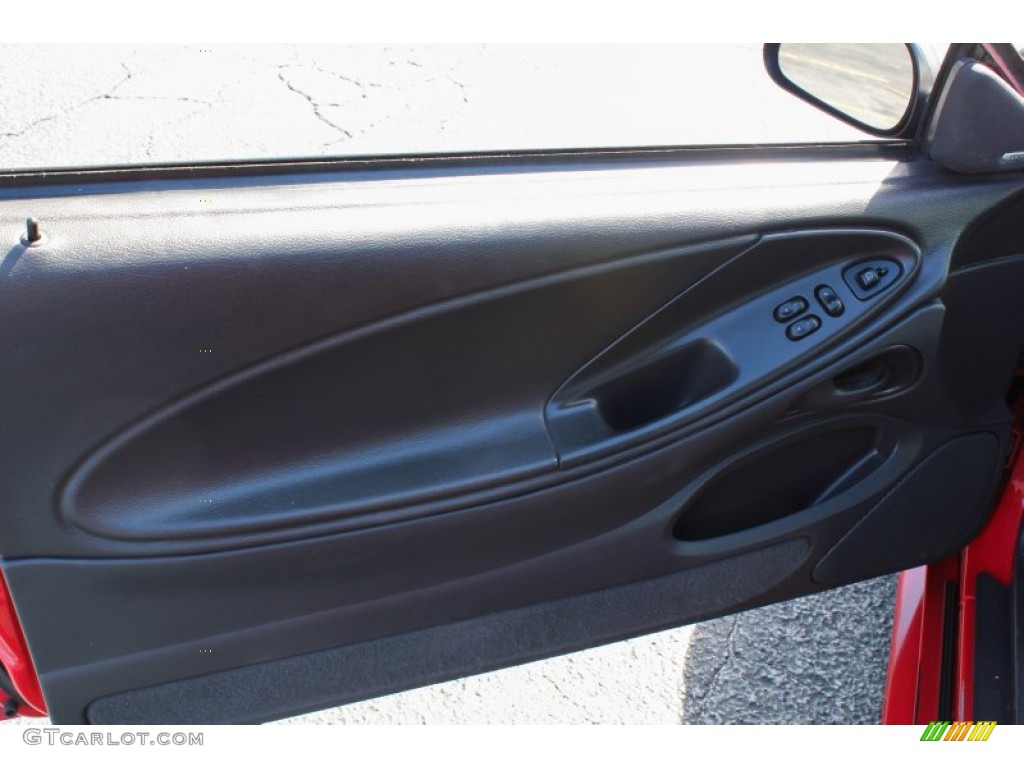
x=440, y=163
x=722, y=327
x=284, y=687
x=993, y=651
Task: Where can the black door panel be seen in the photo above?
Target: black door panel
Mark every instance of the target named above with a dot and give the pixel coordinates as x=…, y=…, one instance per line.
x=456, y=420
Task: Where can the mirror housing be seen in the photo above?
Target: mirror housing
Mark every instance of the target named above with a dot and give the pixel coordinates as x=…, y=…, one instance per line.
x=879, y=88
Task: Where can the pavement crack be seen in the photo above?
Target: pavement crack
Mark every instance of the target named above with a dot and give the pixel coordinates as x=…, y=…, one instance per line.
x=701, y=699
x=463, y=90
x=344, y=78
x=182, y=99
x=344, y=133
x=64, y=112
x=567, y=696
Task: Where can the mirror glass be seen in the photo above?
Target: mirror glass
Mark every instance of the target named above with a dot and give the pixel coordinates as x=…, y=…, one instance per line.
x=871, y=83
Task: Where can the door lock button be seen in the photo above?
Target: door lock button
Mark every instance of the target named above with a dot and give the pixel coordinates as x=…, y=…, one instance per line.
x=829, y=300
x=803, y=327
x=787, y=310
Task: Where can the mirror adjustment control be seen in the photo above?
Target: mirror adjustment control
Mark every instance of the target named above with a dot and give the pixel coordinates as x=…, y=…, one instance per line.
x=868, y=278
x=829, y=300
x=803, y=327
x=789, y=309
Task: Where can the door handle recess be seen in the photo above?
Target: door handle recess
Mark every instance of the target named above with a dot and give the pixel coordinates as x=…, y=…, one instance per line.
x=656, y=386
x=881, y=375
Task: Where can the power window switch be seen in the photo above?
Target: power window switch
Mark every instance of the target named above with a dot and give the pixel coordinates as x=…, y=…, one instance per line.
x=803, y=327
x=829, y=300
x=789, y=309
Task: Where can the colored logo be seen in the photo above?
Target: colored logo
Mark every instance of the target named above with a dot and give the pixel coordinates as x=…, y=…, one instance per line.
x=956, y=731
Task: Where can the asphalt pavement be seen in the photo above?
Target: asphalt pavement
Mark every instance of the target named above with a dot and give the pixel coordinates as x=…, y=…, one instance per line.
x=816, y=660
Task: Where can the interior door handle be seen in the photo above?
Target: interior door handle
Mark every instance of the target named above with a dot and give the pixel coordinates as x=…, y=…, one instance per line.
x=882, y=375
x=864, y=380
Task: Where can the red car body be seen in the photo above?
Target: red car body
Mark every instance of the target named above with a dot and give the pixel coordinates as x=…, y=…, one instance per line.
x=924, y=657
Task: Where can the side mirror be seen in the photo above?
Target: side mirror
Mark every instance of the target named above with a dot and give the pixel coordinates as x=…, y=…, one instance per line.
x=872, y=86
